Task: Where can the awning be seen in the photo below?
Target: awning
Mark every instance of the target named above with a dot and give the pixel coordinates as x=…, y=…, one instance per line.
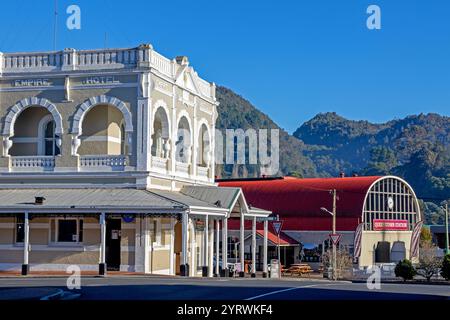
x=87, y=200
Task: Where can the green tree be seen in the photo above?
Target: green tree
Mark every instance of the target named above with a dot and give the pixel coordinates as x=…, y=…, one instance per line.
x=405, y=270
x=445, y=270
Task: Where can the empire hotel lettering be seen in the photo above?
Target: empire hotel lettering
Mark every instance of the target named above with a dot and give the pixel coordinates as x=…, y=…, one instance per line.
x=100, y=80
x=31, y=83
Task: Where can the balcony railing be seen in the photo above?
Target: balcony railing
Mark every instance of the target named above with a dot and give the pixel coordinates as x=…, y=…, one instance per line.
x=114, y=162
x=182, y=168
x=159, y=164
x=202, y=172
x=33, y=162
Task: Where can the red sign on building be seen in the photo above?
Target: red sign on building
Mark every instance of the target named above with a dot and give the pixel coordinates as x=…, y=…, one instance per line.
x=390, y=225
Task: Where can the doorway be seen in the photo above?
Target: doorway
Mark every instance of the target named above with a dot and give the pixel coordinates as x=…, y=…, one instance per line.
x=383, y=252
x=113, y=237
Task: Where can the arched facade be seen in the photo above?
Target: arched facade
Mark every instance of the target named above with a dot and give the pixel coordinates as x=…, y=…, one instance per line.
x=390, y=198
x=16, y=110
x=94, y=101
x=83, y=110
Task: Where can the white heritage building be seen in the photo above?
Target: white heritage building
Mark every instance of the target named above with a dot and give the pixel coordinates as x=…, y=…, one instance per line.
x=107, y=162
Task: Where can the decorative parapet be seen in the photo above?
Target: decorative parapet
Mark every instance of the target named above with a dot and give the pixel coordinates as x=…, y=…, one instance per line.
x=142, y=57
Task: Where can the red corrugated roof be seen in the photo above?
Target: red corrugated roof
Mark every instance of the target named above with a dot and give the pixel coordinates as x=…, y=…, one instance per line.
x=273, y=238
x=298, y=201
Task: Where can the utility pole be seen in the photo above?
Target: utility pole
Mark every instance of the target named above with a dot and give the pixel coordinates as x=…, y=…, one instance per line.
x=447, y=251
x=334, y=232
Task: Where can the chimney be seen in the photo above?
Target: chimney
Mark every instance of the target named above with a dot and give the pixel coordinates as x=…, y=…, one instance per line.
x=342, y=174
x=39, y=200
x=182, y=60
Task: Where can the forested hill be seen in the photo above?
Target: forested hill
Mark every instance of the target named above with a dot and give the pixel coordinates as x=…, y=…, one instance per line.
x=237, y=113
x=416, y=148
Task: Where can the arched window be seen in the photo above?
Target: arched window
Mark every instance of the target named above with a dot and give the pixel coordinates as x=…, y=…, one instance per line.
x=50, y=145
x=160, y=137
x=203, y=146
x=183, y=144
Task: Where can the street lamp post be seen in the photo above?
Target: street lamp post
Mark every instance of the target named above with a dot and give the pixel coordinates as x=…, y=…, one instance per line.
x=447, y=251
x=333, y=214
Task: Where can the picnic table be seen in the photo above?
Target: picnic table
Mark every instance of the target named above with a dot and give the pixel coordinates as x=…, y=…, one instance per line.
x=299, y=269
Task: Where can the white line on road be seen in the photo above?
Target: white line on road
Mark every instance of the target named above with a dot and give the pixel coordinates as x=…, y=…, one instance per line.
x=288, y=289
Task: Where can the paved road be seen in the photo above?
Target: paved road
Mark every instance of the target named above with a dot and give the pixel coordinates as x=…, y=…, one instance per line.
x=161, y=288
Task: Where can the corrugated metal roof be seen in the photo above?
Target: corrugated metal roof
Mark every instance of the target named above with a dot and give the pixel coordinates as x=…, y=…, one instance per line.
x=226, y=196
x=86, y=198
x=185, y=199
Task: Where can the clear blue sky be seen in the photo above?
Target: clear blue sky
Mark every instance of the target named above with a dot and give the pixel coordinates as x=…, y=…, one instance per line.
x=292, y=59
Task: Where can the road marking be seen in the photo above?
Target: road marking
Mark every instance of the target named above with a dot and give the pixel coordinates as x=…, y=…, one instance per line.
x=285, y=290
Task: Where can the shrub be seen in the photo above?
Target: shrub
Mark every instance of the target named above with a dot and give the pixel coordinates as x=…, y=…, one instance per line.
x=405, y=270
x=445, y=271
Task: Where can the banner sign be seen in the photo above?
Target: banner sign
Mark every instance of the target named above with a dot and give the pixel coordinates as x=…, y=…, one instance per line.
x=415, y=239
x=390, y=225
x=357, y=241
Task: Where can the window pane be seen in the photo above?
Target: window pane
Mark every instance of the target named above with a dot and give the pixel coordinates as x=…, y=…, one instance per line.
x=20, y=228
x=67, y=230
x=49, y=147
x=50, y=129
x=80, y=232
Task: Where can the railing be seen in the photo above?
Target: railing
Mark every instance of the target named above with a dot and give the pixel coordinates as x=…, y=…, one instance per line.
x=33, y=162
x=107, y=58
x=159, y=164
x=21, y=62
x=182, y=167
x=202, y=172
x=162, y=64
x=95, y=161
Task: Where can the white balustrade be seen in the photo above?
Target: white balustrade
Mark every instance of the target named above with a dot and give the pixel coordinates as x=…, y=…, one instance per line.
x=182, y=168
x=202, y=171
x=33, y=162
x=96, y=161
x=162, y=64
x=159, y=164
x=107, y=58
x=21, y=62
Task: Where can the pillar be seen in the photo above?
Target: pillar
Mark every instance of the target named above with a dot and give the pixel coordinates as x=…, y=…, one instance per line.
x=205, y=247
x=26, y=245
x=211, y=249
x=242, y=245
x=216, y=273
x=102, y=265
x=254, y=248
x=193, y=266
x=225, y=248
x=184, y=267
x=265, y=249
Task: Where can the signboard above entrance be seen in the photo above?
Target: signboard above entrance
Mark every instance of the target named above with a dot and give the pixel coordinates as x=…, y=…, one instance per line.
x=390, y=225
